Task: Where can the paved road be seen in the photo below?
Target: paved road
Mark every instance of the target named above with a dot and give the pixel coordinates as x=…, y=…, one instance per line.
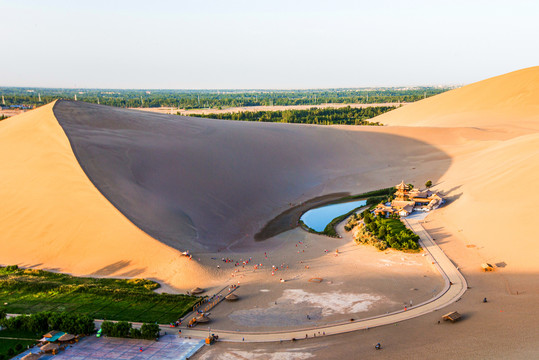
x=455, y=286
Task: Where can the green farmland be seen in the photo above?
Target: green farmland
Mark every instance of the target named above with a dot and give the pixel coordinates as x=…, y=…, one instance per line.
x=27, y=291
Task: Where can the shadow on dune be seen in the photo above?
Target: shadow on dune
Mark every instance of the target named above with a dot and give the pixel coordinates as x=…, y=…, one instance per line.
x=198, y=184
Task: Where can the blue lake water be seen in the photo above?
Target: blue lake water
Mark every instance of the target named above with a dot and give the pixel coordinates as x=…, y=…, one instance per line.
x=318, y=218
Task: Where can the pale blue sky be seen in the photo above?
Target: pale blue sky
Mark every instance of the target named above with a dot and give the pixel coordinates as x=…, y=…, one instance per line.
x=263, y=44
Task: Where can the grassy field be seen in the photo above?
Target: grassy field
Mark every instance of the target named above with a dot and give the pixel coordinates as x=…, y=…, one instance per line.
x=24, y=338
x=26, y=291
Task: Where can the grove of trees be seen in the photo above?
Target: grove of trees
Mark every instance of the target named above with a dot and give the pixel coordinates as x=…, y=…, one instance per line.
x=318, y=116
x=43, y=322
x=125, y=329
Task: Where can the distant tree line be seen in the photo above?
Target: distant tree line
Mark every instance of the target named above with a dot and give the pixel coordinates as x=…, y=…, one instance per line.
x=198, y=99
x=318, y=116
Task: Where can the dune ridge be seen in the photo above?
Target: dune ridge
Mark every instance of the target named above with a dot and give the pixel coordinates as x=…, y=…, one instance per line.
x=509, y=101
x=54, y=218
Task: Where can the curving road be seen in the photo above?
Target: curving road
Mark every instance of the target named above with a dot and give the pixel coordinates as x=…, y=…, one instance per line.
x=455, y=286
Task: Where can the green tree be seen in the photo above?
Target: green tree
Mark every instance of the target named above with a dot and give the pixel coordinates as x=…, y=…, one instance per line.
x=107, y=327
x=428, y=184
x=122, y=329
x=382, y=232
x=149, y=331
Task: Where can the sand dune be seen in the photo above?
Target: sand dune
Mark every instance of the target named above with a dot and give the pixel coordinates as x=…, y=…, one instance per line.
x=204, y=184
x=190, y=183
x=493, y=169
x=53, y=217
x=509, y=101
x=96, y=200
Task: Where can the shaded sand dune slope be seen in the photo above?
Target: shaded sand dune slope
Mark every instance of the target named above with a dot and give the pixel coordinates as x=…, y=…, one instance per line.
x=207, y=184
x=53, y=217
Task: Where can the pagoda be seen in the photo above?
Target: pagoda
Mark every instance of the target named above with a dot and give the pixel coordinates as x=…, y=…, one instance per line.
x=402, y=192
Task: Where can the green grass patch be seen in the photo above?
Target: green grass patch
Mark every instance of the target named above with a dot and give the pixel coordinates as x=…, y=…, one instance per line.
x=27, y=291
x=21, y=337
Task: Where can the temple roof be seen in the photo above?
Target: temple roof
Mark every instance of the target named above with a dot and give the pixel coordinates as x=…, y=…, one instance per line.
x=402, y=186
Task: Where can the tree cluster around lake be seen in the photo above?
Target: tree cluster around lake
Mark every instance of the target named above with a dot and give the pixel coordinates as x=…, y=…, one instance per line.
x=383, y=232
x=318, y=116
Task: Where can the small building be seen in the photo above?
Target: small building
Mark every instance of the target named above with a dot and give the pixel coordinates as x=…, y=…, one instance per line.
x=452, y=316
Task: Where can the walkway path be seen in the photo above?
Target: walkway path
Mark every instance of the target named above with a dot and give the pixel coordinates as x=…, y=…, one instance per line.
x=455, y=286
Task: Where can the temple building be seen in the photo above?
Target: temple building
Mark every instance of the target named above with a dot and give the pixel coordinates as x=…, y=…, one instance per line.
x=409, y=200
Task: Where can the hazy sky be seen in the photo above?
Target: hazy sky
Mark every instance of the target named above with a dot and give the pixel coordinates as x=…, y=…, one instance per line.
x=263, y=44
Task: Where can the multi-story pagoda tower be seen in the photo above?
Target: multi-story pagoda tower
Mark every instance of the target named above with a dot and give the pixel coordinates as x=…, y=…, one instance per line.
x=402, y=192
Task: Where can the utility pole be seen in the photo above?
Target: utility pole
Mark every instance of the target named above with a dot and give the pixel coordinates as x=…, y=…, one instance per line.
x=98, y=100
x=425, y=95
x=75, y=97
x=39, y=97
x=141, y=101
x=3, y=100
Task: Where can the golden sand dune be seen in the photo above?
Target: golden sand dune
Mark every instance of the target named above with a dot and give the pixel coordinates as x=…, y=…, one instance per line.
x=53, y=217
x=494, y=201
x=507, y=101
x=494, y=169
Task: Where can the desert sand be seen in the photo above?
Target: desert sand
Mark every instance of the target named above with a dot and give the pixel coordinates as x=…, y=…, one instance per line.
x=479, y=144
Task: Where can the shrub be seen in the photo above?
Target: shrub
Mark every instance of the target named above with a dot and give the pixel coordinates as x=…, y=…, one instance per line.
x=107, y=327
x=149, y=331
x=136, y=334
x=12, y=268
x=18, y=347
x=10, y=352
x=428, y=184
x=119, y=329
